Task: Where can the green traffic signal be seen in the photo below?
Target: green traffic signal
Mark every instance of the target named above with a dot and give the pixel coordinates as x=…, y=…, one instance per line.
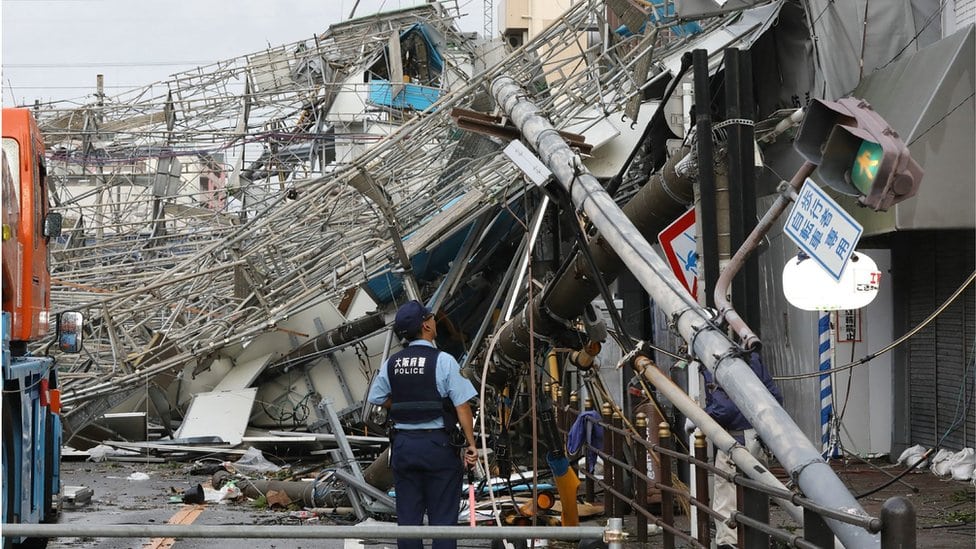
x=867, y=161
x=857, y=153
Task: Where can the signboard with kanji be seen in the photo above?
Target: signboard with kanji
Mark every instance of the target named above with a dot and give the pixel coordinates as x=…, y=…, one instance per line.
x=823, y=229
x=679, y=243
x=848, y=323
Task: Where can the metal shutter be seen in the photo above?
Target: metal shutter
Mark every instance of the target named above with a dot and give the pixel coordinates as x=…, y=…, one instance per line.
x=941, y=376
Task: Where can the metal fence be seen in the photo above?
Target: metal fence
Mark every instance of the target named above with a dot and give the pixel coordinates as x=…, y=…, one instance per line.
x=627, y=446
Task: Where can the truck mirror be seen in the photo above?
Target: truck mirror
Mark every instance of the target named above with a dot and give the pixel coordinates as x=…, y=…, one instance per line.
x=70, y=331
x=52, y=225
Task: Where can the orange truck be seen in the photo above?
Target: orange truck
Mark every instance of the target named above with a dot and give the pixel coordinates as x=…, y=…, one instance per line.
x=30, y=401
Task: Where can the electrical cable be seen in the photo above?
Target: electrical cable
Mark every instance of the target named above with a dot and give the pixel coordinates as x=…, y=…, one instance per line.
x=626, y=341
x=908, y=335
x=925, y=25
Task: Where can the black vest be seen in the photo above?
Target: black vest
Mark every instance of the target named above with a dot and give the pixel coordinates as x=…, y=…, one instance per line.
x=413, y=387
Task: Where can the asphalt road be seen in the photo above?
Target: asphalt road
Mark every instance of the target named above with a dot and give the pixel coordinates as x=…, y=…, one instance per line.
x=945, y=508
x=119, y=500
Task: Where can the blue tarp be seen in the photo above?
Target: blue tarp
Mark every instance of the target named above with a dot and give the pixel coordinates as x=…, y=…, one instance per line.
x=662, y=12
x=434, y=59
x=412, y=96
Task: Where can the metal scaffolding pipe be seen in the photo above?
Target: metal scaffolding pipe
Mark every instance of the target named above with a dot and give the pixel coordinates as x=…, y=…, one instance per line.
x=705, y=339
x=745, y=461
x=356, y=483
x=248, y=531
x=303, y=492
x=328, y=342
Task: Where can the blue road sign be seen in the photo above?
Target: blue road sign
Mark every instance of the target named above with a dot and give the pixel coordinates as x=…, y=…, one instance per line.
x=822, y=229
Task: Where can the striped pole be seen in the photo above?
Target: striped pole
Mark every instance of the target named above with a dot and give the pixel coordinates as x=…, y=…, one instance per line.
x=827, y=439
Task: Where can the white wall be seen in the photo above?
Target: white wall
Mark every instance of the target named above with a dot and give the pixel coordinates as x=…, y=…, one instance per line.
x=867, y=409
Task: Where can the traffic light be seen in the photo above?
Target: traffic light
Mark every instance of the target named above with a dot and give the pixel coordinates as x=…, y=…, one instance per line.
x=858, y=153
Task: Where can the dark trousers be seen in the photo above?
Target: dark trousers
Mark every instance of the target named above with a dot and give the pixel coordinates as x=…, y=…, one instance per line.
x=427, y=475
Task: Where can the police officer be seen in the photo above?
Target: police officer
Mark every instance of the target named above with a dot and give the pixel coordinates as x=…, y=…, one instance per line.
x=426, y=397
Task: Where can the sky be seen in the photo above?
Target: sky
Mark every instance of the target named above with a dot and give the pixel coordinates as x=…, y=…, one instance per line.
x=53, y=49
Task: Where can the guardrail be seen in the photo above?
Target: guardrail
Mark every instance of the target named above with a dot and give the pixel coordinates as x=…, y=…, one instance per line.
x=625, y=454
x=612, y=534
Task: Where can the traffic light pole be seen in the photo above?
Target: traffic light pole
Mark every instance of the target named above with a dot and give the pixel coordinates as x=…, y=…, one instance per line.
x=747, y=337
x=705, y=339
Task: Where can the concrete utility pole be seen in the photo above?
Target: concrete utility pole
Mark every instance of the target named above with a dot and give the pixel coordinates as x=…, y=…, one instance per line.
x=705, y=340
x=663, y=198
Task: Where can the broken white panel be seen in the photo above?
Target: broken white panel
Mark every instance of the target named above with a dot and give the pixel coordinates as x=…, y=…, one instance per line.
x=617, y=139
x=270, y=71
x=353, y=138
x=361, y=304
x=223, y=414
x=264, y=349
x=280, y=445
x=349, y=104
x=132, y=426
x=199, y=378
x=445, y=222
x=244, y=372
x=329, y=438
x=594, y=126
x=341, y=376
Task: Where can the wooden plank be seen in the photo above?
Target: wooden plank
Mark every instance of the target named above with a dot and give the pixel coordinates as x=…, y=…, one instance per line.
x=187, y=515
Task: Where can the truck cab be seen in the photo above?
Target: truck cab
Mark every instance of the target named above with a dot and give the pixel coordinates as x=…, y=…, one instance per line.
x=30, y=402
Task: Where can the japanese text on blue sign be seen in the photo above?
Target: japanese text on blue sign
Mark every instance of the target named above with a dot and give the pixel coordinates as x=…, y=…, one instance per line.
x=822, y=229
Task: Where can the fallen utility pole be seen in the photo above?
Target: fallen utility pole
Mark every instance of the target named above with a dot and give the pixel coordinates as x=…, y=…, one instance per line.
x=663, y=198
x=705, y=339
x=720, y=437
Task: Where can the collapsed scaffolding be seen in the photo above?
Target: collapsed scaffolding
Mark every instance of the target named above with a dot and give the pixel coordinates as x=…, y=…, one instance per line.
x=208, y=217
x=201, y=217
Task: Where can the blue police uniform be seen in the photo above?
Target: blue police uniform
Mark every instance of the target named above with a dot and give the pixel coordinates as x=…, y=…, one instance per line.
x=720, y=407
x=424, y=385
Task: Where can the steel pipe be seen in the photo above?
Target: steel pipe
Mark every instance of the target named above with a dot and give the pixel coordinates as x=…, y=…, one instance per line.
x=248, y=531
x=749, y=338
